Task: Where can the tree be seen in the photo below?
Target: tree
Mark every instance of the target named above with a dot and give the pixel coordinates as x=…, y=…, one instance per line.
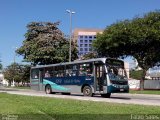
x=25, y=74
x=139, y=37
x=1, y=65
x=18, y=73
x=45, y=44
x=136, y=74
x=89, y=55
x=10, y=72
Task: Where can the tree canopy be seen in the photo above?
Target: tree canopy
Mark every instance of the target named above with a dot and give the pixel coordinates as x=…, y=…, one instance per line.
x=89, y=55
x=139, y=37
x=1, y=65
x=18, y=73
x=136, y=74
x=45, y=44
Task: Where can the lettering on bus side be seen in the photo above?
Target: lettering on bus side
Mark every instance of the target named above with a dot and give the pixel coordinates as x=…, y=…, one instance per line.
x=88, y=79
x=71, y=81
x=58, y=81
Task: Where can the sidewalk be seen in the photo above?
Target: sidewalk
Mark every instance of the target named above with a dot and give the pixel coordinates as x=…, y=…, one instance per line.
x=137, y=95
x=122, y=94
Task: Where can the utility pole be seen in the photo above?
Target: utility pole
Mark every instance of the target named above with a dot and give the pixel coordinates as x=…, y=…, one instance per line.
x=70, y=41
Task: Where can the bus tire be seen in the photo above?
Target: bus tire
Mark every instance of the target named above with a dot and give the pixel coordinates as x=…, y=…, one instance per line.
x=107, y=95
x=87, y=91
x=48, y=89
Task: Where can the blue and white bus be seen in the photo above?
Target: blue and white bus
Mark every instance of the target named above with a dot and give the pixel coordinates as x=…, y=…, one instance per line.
x=95, y=76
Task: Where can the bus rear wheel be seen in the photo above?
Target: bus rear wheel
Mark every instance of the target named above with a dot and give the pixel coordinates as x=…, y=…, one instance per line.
x=87, y=91
x=107, y=95
x=48, y=89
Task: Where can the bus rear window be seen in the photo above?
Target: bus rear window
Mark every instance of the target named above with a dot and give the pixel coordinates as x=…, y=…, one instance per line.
x=34, y=73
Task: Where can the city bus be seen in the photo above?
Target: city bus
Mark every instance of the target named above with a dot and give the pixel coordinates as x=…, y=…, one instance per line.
x=94, y=76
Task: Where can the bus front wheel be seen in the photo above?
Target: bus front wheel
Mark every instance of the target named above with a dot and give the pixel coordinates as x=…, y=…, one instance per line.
x=87, y=91
x=48, y=89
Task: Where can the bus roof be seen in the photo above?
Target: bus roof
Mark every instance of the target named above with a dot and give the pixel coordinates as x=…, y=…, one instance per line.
x=74, y=62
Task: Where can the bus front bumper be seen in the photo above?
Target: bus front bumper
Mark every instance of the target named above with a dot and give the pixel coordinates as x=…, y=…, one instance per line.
x=118, y=88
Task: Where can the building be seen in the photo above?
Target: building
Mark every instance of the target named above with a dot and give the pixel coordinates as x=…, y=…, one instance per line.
x=83, y=38
x=3, y=82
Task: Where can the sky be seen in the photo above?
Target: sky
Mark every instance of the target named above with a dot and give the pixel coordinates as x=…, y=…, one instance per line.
x=16, y=14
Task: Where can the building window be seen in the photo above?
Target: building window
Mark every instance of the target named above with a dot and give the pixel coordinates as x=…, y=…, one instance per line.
x=80, y=53
x=81, y=49
x=86, y=49
x=90, y=49
x=90, y=45
x=81, y=36
x=81, y=41
x=86, y=36
x=81, y=45
x=86, y=45
x=90, y=41
x=90, y=36
x=86, y=41
x=94, y=37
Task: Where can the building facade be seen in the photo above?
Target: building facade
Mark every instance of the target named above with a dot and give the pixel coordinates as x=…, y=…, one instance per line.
x=83, y=38
x=3, y=82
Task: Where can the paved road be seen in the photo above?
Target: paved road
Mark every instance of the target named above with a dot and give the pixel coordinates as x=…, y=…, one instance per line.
x=141, y=99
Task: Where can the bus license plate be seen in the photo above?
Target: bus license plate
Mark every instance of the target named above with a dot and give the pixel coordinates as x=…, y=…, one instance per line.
x=121, y=89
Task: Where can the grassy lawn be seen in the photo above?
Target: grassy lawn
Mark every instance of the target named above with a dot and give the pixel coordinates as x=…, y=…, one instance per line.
x=43, y=108
x=156, y=92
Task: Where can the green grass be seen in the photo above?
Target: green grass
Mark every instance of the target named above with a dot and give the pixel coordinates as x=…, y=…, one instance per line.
x=156, y=92
x=43, y=108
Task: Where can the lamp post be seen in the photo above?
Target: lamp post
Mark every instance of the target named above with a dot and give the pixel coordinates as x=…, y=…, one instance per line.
x=14, y=62
x=70, y=41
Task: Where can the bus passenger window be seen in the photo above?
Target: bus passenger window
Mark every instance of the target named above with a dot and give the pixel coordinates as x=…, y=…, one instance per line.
x=36, y=76
x=82, y=71
x=89, y=72
x=71, y=70
x=35, y=73
x=47, y=74
x=75, y=70
x=60, y=73
x=86, y=69
x=68, y=71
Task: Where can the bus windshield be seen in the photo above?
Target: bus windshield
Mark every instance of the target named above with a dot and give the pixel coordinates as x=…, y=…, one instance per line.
x=116, y=70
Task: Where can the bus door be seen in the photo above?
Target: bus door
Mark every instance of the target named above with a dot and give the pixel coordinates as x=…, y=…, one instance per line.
x=40, y=79
x=99, y=77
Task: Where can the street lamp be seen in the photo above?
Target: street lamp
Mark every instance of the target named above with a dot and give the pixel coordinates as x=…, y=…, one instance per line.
x=70, y=14
x=14, y=62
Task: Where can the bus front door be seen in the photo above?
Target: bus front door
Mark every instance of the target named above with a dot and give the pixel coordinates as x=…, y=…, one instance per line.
x=99, y=79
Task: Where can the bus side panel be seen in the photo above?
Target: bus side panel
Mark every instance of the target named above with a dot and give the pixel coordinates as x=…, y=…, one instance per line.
x=34, y=84
x=68, y=84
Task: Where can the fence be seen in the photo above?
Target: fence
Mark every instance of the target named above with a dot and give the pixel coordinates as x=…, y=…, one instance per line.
x=148, y=84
